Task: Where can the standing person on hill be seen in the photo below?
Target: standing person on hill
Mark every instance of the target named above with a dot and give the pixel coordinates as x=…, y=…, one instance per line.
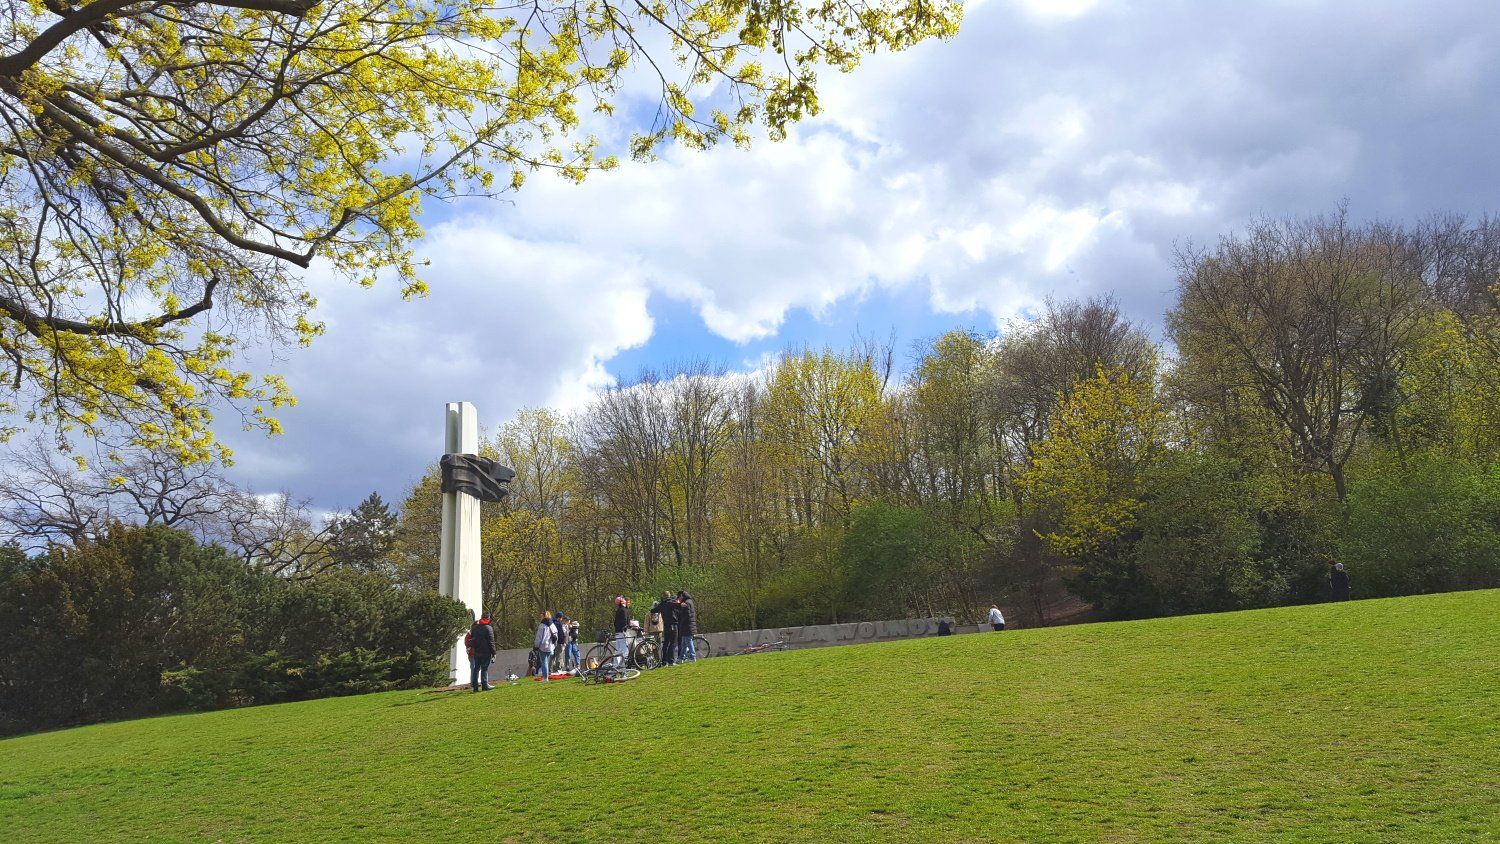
x=481, y=642
x=687, y=627
x=560, y=647
x=546, y=638
x=622, y=623
x=654, y=625
x=666, y=617
x=573, y=658
x=997, y=619
x=1338, y=582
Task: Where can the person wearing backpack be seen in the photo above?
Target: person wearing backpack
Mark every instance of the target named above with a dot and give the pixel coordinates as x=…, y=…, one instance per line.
x=546, y=639
x=660, y=621
x=481, y=645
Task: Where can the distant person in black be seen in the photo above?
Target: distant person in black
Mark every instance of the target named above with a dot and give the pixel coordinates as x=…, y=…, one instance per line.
x=482, y=648
x=687, y=627
x=622, y=623
x=560, y=650
x=1338, y=582
x=944, y=628
x=668, y=612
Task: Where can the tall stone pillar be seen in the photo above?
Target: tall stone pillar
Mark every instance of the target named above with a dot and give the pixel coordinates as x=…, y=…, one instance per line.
x=458, y=556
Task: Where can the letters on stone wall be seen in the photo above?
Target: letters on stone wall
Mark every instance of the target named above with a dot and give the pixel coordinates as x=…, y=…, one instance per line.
x=825, y=635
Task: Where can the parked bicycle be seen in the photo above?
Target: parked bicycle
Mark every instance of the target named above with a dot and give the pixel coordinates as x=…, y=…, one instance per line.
x=765, y=647
x=642, y=652
x=701, y=648
x=608, y=672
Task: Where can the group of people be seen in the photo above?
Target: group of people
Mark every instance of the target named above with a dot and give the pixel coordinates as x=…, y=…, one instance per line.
x=675, y=619
x=555, y=647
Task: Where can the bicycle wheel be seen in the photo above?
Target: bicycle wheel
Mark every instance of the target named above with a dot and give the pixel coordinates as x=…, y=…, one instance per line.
x=599, y=655
x=701, y=648
x=645, y=655
x=620, y=675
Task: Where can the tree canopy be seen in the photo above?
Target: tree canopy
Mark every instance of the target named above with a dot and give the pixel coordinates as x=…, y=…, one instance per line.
x=168, y=169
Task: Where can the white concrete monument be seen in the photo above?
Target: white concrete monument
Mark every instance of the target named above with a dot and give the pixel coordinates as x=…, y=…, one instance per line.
x=458, y=555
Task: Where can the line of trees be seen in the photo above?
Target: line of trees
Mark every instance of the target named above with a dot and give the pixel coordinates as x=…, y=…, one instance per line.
x=1331, y=392
x=144, y=620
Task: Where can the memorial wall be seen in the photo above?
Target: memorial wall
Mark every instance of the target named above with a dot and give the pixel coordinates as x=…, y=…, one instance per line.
x=808, y=636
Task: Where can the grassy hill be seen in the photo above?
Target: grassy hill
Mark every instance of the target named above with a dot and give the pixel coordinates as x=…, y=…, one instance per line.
x=1368, y=721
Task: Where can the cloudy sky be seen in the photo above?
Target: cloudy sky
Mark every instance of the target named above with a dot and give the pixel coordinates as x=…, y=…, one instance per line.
x=1055, y=147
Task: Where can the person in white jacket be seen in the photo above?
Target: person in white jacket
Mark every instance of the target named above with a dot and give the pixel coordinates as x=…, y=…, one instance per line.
x=997, y=620
x=546, y=640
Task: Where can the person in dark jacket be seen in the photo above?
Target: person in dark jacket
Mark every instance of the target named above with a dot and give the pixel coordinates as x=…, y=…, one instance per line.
x=668, y=611
x=560, y=650
x=622, y=623
x=944, y=628
x=687, y=627
x=1338, y=582
x=482, y=653
x=544, y=643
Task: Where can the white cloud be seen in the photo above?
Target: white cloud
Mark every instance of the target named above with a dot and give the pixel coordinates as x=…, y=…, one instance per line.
x=1052, y=148
x=1057, y=9
x=510, y=323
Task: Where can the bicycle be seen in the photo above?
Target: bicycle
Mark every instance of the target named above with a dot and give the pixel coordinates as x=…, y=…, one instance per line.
x=643, y=652
x=701, y=649
x=607, y=672
x=764, y=647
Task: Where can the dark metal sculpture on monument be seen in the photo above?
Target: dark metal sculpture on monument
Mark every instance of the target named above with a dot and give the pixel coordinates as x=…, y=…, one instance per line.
x=478, y=476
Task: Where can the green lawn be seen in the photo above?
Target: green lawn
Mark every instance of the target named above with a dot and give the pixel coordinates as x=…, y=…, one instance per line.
x=1367, y=721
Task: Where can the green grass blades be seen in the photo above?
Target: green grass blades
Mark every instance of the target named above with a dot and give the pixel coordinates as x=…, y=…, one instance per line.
x=1365, y=721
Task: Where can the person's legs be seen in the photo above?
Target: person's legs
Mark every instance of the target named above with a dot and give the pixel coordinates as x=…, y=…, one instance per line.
x=474, y=674
x=669, y=648
x=573, y=654
x=544, y=665
x=484, y=674
x=619, y=650
x=690, y=648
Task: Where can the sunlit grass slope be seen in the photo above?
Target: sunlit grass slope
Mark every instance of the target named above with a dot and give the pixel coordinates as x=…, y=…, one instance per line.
x=1368, y=721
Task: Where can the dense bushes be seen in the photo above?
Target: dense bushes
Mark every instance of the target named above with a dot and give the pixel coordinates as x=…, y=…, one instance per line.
x=146, y=620
x=1425, y=523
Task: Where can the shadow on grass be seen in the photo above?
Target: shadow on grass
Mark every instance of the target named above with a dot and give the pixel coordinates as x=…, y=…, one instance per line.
x=433, y=695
